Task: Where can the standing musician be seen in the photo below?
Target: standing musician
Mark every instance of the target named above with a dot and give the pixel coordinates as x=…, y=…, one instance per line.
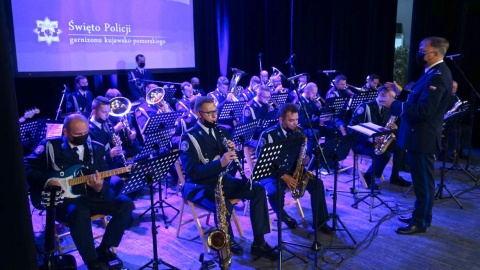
x=196, y=86
x=203, y=158
x=56, y=155
x=99, y=130
x=183, y=105
x=81, y=99
x=285, y=129
x=137, y=79
x=372, y=84
x=339, y=89
x=421, y=127
x=372, y=112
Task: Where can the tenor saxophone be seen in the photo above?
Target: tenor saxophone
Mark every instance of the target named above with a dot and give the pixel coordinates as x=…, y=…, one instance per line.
x=219, y=239
x=300, y=174
x=385, y=140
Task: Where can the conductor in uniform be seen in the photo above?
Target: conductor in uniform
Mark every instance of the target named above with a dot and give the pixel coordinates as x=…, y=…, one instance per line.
x=203, y=158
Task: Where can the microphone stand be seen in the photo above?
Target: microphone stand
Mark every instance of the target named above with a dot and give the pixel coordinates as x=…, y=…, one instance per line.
x=473, y=95
x=59, y=110
x=316, y=245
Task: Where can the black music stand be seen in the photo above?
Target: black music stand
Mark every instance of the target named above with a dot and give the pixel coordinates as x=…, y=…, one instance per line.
x=231, y=110
x=155, y=262
x=268, y=122
x=361, y=97
x=451, y=120
x=157, y=168
x=336, y=150
x=337, y=104
x=280, y=98
x=373, y=131
x=274, y=160
x=243, y=133
x=161, y=121
x=155, y=143
x=169, y=93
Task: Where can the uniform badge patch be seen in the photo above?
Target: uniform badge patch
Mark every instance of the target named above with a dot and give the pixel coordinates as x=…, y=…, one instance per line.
x=262, y=142
x=247, y=112
x=39, y=149
x=69, y=104
x=184, y=146
x=359, y=110
x=432, y=88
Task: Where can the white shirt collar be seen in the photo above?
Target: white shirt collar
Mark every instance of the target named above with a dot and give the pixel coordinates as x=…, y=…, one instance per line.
x=430, y=67
x=98, y=124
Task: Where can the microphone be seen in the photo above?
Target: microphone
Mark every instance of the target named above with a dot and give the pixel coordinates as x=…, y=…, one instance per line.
x=296, y=76
x=328, y=71
x=65, y=88
x=290, y=60
x=451, y=56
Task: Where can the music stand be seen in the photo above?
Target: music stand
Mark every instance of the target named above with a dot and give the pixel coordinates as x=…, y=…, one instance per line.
x=157, y=168
x=268, y=122
x=361, y=97
x=169, y=93
x=243, y=132
x=161, y=121
x=335, y=150
x=280, y=98
x=449, y=121
x=276, y=159
x=154, y=143
x=373, y=131
x=231, y=110
x=337, y=104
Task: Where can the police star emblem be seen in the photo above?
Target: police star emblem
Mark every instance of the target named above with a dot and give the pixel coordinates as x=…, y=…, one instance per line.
x=47, y=31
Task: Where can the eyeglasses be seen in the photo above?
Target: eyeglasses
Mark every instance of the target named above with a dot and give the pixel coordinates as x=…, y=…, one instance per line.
x=211, y=113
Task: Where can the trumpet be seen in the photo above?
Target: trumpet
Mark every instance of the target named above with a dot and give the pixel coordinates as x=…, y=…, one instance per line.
x=272, y=105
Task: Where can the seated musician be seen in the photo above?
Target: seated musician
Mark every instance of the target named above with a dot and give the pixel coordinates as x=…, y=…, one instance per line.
x=277, y=86
x=100, y=130
x=76, y=148
x=372, y=83
x=183, y=104
x=203, y=158
x=371, y=111
x=339, y=89
x=286, y=128
x=221, y=95
x=184, y=123
x=154, y=105
x=195, y=81
x=250, y=92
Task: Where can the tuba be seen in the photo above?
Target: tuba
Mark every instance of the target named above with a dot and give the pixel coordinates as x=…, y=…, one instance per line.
x=219, y=239
x=235, y=89
x=300, y=174
x=120, y=107
x=155, y=97
x=385, y=140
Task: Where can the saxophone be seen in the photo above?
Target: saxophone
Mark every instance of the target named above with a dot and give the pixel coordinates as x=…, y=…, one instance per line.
x=385, y=140
x=219, y=239
x=299, y=175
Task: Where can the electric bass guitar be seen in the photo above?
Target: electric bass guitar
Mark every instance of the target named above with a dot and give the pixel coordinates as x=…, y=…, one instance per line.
x=28, y=114
x=73, y=176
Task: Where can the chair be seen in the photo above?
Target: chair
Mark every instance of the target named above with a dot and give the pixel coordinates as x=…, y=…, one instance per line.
x=58, y=237
x=206, y=213
x=358, y=160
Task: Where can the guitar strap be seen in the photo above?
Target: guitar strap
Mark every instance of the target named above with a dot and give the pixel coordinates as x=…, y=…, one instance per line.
x=90, y=150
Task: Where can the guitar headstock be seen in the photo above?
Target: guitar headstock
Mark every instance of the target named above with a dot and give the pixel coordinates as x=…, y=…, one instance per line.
x=52, y=196
x=29, y=114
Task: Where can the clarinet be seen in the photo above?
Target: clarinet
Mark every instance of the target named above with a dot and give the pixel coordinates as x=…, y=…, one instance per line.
x=116, y=141
x=237, y=162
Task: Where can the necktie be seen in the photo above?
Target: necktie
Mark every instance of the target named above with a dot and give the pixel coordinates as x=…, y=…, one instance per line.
x=75, y=149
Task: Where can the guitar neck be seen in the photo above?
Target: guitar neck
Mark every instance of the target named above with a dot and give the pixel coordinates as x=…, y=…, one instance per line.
x=83, y=179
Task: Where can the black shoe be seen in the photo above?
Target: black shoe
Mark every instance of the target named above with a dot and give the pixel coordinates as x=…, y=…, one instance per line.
x=236, y=248
x=264, y=250
x=375, y=187
x=291, y=223
x=105, y=255
x=406, y=219
x=410, y=229
x=97, y=265
x=400, y=181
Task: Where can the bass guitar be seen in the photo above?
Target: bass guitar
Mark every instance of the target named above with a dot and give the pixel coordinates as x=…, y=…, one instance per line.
x=73, y=176
x=28, y=114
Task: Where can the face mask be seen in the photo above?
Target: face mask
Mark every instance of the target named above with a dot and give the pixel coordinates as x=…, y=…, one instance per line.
x=141, y=64
x=207, y=123
x=79, y=140
x=195, y=86
x=84, y=87
x=419, y=58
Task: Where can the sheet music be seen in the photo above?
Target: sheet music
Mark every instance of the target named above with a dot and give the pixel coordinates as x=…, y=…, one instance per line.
x=368, y=128
x=54, y=130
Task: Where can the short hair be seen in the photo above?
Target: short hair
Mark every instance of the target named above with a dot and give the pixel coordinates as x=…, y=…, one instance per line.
x=340, y=77
x=439, y=43
x=150, y=87
x=193, y=78
x=71, y=117
x=200, y=101
x=287, y=108
x=112, y=93
x=383, y=88
x=372, y=77
x=184, y=84
x=223, y=80
x=255, y=79
x=99, y=101
x=309, y=86
x=263, y=88
x=138, y=57
x=78, y=78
